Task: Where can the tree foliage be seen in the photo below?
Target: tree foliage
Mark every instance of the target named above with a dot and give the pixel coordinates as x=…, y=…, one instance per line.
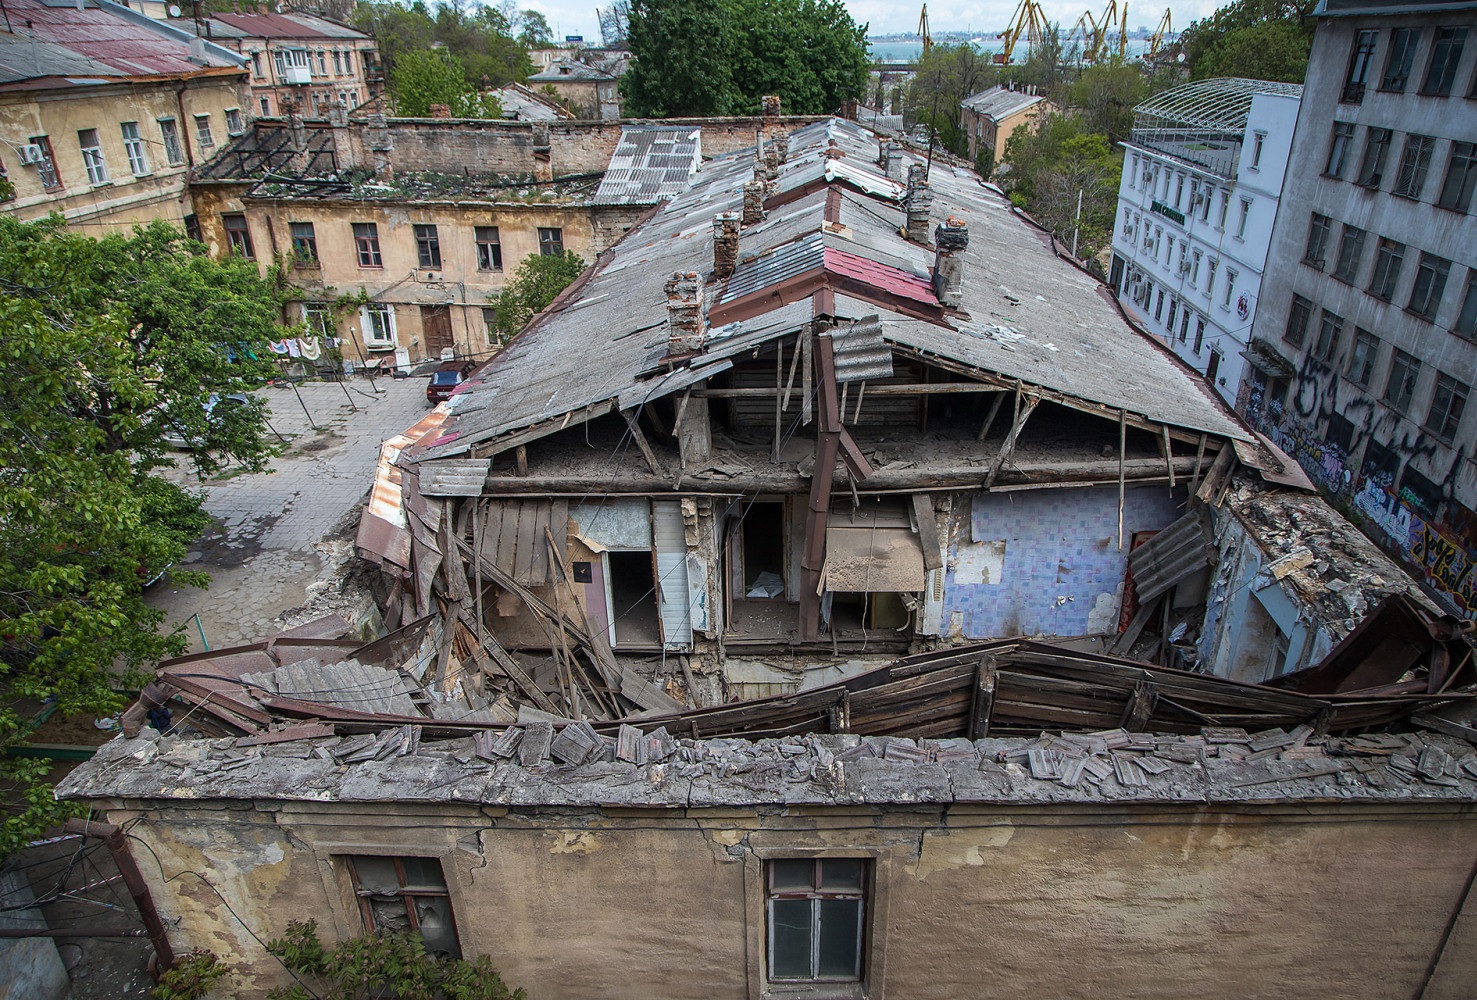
x=1045, y=167
x=490, y=43
x=423, y=79
x=947, y=74
x=536, y=283
x=1276, y=50
x=1106, y=94
x=110, y=345
x=1229, y=42
x=381, y=965
x=701, y=58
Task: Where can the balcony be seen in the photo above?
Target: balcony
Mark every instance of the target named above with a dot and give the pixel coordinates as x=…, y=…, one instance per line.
x=297, y=75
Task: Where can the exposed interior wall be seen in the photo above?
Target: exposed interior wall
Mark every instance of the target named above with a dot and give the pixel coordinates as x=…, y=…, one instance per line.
x=1045, y=561
x=1149, y=901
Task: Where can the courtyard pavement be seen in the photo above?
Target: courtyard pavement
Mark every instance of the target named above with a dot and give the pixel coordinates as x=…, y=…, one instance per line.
x=281, y=536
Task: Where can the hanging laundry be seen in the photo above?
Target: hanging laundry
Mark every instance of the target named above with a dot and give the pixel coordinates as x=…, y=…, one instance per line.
x=310, y=348
x=278, y=346
x=292, y=349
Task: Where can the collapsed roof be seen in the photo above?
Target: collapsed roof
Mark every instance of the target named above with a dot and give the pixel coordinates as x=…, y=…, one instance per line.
x=832, y=244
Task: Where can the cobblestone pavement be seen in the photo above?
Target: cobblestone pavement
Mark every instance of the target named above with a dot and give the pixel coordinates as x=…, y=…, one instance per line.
x=279, y=533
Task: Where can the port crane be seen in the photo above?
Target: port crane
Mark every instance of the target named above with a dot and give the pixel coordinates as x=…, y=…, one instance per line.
x=1157, y=38
x=923, y=30
x=1029, y=20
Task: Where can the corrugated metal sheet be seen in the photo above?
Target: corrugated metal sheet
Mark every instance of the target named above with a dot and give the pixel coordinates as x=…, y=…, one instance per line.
x=650, y=163
x=880, y=276
x=860, y=351
x=774, y=266
x=452, y=477
x=282, y=26
x=670, y=543
x=123, y=39
x=1175, y=553
x=998, y=102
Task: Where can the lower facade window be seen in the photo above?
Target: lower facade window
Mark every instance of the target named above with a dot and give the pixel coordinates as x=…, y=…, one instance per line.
x=402, y=895
x=379, y=326
x=816, y=910
x=239, y=235
x=551, y=242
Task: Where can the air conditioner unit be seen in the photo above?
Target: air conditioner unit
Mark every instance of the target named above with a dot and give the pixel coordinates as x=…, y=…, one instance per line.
x=1199, y=198
x=32, y=153
x=1148, y=176
x=1184, y=267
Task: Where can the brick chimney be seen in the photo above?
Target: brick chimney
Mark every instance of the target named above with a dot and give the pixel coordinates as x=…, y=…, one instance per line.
x=769, y=105
x=686, y=332
x=753, y=202
x=949, y=240
x=919, y=203
x=883, y=143
x=833, y=151
x=441, y=111
x=848, y=108
x=725, y=245
x=893, y=162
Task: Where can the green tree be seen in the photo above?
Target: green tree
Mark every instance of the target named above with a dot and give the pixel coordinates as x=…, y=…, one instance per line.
x=536, y=283
x=696, y=58
x=948, y=74
x=481, y=38
x=421, y=79
x=1210, y=50
x=1275, y=50
x=1106, y=94
x=110, y=345
x=681, y=64
x=1044, y=169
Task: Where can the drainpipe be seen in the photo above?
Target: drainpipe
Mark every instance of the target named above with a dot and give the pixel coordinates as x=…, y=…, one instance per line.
x=117, y=843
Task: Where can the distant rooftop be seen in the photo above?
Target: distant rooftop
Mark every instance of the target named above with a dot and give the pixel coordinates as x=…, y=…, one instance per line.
x=1204, y=121
x=298, y=26
x=568, y=69
x=1000, y=102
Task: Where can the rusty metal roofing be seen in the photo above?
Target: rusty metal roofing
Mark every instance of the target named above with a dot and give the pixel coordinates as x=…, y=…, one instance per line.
x=882, y=277
x=294, y=26
x=127, y=42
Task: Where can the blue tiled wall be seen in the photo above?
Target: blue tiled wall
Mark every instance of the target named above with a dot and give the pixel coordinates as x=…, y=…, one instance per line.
x=1060, y=543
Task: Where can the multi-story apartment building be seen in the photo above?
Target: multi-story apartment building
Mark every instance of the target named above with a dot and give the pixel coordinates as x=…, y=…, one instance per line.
x=1202, y=173
x=991, y=117
x=1365, y=343
x=309, y=62
x=103, y=113
x=401, y=234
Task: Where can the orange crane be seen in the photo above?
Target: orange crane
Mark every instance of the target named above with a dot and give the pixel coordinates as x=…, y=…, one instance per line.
x=1157, y=38
x=1029, y=20
x=1113, y=18
x=1086, y=28
x=923, y=30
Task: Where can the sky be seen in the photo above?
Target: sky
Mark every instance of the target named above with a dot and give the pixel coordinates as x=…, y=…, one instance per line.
x=577, y=17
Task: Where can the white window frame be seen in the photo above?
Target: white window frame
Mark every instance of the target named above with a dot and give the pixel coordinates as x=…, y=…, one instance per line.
x=133, y=145
x=373, y=329
x=93, y=158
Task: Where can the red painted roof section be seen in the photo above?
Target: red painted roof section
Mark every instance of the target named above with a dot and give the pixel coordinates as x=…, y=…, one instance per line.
x=883, y=277
x=129, y=48
x=271, y=26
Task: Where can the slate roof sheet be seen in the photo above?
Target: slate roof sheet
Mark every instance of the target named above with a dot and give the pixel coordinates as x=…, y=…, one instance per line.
x=998, y=102
x=1030, y=315
x=651, y=162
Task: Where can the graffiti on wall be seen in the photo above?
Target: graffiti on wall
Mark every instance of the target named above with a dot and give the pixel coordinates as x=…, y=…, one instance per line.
x=1440, y=544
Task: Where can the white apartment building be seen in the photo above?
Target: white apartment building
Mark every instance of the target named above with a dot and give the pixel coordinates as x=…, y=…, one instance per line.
x=1202, y=173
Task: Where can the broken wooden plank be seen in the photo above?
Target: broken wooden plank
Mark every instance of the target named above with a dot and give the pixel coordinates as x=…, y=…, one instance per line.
x=983, y=703
x=1007, y=447
x=639, y=436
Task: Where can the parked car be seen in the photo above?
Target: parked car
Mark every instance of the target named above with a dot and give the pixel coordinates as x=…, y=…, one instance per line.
x=445, y=379
x=215, y=407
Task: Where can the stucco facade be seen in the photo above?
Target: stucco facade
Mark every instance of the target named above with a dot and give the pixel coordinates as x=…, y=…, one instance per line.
x=1367, y=325
x=430, y=307
x=136, y=177
x=618, y=880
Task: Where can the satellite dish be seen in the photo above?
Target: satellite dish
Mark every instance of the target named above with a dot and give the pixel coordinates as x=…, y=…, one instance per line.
x=174, y=10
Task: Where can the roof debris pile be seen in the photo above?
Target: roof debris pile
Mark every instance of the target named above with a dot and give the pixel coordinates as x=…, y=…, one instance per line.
x=299, y=683
x=533, y=766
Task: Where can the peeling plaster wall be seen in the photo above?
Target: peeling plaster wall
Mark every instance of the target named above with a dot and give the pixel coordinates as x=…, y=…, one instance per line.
x=1068, y=901
x=1045, y=561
